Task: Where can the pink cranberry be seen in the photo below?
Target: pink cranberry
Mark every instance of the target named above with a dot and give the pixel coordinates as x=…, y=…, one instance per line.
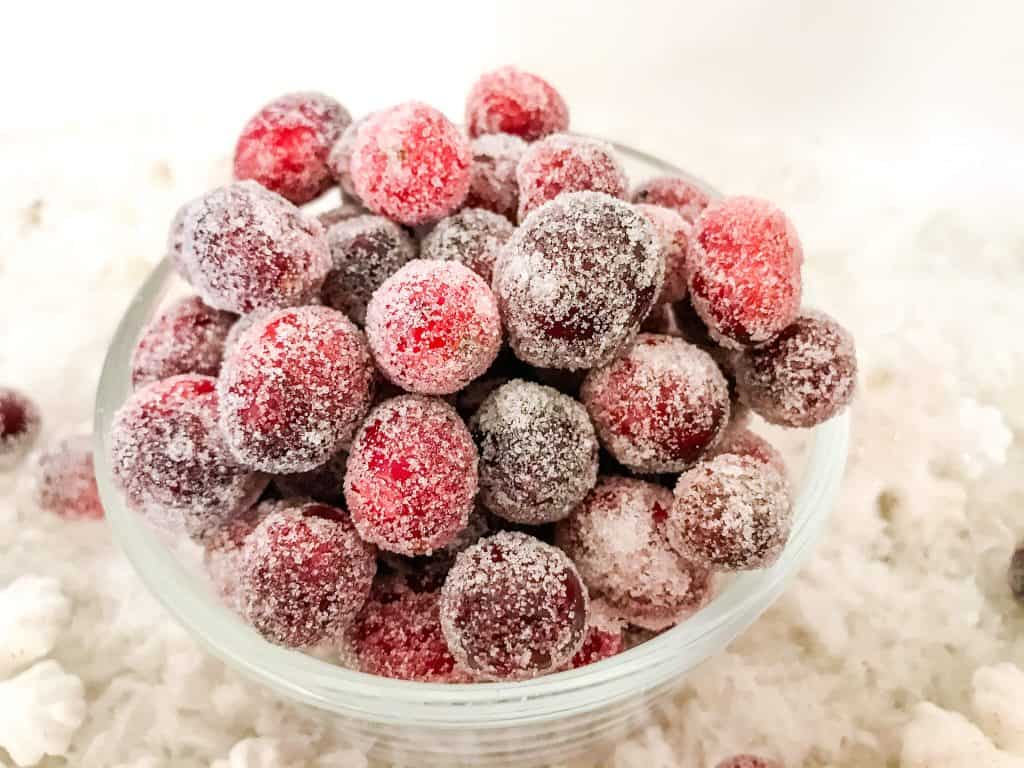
x=284, y=146
x=473, y=237
x=513, y=608
x=412, y=475
x=67, y=480
x=509, y=100
x=673, y=234
x=604, y=640
x=684, y=197
x=20, y=423
x=493, y=185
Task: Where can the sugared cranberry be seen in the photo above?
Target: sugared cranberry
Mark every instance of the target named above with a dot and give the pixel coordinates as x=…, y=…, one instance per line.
x=224, y=550
x=284, y=146
x=740, y=441
x=187, y=338
x=365, y=251
x=748, y=761
x=305, y=574
x=1015, y=574
x=20, y=423
x=659, y=406
x=684, y=197
x=673, y=234
x=293, y=389
x=411, y=164
x=412, y=475
x=67, y=480
x=564, y=163
x=171, y=460
x=433, y=327
x=398, y=634
x=493, y=185
x=339, y=161
x=576, y=280
x=744, y=267
x=324, y=483
x=538, y=452
x=245, y=248
x=513, y=608
x=471, y=237
x=617, y=538
x=604, y=639
x=804, y=377
x=340, y=213
x=509, y=100
x=731, y=513
x=176, y=240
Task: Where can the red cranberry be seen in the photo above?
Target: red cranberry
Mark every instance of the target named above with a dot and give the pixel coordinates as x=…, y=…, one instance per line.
x=339, y=161
x=740, y=441
x=684, y=197
x=20, y=423
x=673, y=234
x=509, y=100
x=493, y=185
x=67, y=480
x=473, y=237
x=602, y=642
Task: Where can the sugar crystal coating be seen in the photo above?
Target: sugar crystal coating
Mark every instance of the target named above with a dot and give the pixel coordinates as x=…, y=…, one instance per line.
x=20, y=423
x=66, y=482
x=617, y=538
x=566, y=163
x=740, y=441
x=576, y=280
x=365, y=251
x=673, y=235
x=471, y=237
x=324, y=483
x=744, y=270
x=245, y=248
x=433, y=327
x=605, y=638
x=305, y=574
x=493, y=185
x=339, y=160
x=513, y=608
x=284, y=146
x=294, y=388
x=731, y=513
x=171, y=460
x=684, y=197
x=748, y=761
x=538, y=452
x=802, y=378
x=412, y=475
x=1015, y=574
x=411, y=164
x=188, y=337
x=343, y=212
x=509, y=100
x=659, y=406
x=224, y=550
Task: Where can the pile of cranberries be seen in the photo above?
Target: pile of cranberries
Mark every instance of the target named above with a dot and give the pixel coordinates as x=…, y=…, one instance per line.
x=426, y=428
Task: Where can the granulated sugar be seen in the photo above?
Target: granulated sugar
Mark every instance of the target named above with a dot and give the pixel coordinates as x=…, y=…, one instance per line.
x=899, y=640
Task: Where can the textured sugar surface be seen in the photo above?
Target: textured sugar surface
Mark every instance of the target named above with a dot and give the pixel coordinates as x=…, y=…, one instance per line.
x=509, y=100
x=617, y=538
x=682, y=196
x=20, y=423
x=566, y=163
x=834, y=674
x=365, y=251
x=741, y=441
x=513, y=607
x=538, y=452
x=492, y=183
x=576, y=280
x=339, y=160
x=673, y=234
x=659, y=406
x=472, y=237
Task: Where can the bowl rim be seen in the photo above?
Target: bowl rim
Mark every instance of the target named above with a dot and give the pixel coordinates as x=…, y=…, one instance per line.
x=442, y=705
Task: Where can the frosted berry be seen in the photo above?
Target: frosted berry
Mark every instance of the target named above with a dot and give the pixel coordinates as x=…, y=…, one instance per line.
x=748, y=761
x=245, y=248
x=1015, y=574
x=513, y=608
x=565, y=163
x=324, y=483
x=294, y=388
x=684, y=197
x=67, y=480
x=471, y=237
x=224, y=550
x=433, y=327
x=605, y=638
x=411, y=164
x=305, y=574
x=339, y=160
x=740, y=441
x=659, y=406
x=744, y=270
x=673, y=235
x=284, y=146
x=398, y=634
x=538, y=452
x=171, y=460
x=365, y=251
x=493, y=185
x=187, y=338
x=176, y=240
x=509, y=100
x=20, y=423
x=412, y=475
x=731, y=513
x=804, y=377
x=617, y=538
x=576, y=280
x=343, y=212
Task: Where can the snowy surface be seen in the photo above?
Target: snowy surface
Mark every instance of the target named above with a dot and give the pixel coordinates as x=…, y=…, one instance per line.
x=897, y=157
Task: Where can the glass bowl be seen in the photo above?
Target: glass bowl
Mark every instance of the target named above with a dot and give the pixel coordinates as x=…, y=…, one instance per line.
x=537, y=721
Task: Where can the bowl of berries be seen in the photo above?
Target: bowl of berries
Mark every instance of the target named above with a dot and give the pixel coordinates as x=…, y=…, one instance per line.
x=475, y=460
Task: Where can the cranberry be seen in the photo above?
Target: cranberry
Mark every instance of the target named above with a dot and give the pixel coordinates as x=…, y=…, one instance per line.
x=740, y=441
x=684, y=197
x=67, y=480
x=340, y=213
x=472, y=237
x=602, y=642
x=339, y=161
x=20, y=423
x=509, y=100
x=493, y=185
x=673, y=234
